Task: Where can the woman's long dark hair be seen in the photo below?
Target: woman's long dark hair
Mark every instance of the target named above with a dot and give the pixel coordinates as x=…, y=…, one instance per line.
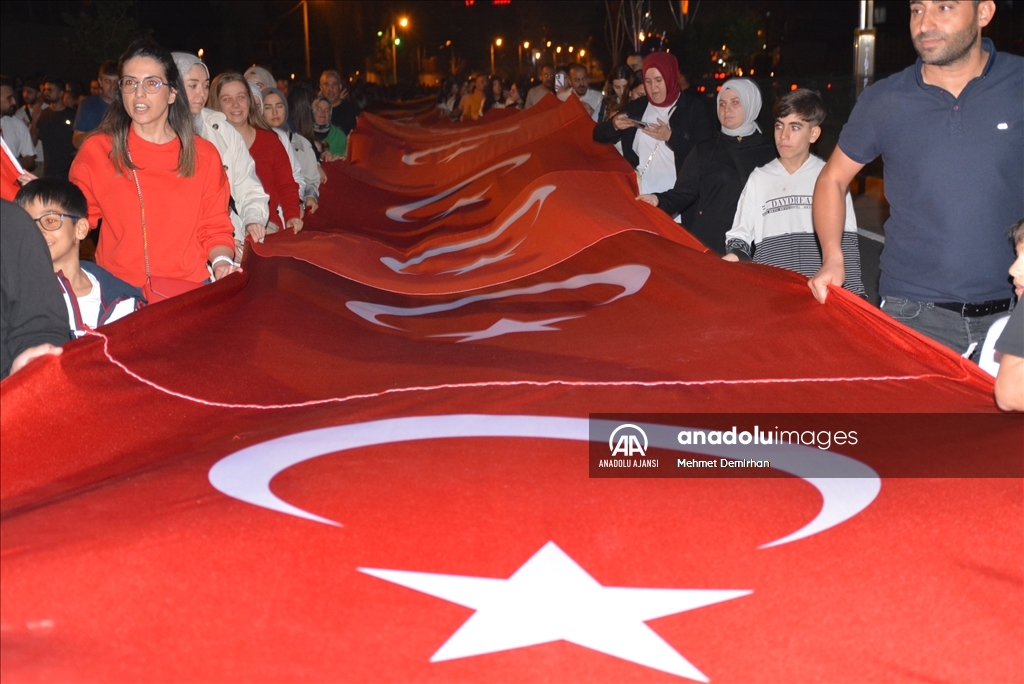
x=300, y=103
x=637, y=82
x=489, y=99
x=613, y=103
x=116, y=122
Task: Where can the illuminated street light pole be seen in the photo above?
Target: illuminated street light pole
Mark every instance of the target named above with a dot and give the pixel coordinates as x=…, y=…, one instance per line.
x=525, y=45
x=404, y=23
x=497, y=41
x=305, y=28
x=452, y=46
x=864, y=48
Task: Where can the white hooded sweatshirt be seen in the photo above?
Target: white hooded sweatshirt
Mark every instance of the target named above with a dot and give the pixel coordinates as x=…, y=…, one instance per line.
x=774, y=225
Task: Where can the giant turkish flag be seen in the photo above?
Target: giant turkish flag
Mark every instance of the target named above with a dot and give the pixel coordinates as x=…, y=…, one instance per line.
x=366, y=457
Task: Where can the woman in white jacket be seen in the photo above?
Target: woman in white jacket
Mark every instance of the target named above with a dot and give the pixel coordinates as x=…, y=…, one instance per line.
x=275, y=111
x=251, y=210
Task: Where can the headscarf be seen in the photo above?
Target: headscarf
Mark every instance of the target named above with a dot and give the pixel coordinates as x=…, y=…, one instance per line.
x=256, y=95
x=185, y=61
x=287, y=113
x=326, y=128
x=262, y=75
x=750, y=98
x=668, y=66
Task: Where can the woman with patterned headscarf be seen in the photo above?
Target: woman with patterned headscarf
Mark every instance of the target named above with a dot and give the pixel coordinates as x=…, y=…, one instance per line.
x=657, y=131
x=329, y=139
x=713, y=175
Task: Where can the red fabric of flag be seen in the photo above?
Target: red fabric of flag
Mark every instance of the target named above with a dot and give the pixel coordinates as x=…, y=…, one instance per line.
x=358, y=461
x=9, y=174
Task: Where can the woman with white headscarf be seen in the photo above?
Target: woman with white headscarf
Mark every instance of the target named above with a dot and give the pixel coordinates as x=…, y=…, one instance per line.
x=259, y=77
x=250, y=203
x=713, y=175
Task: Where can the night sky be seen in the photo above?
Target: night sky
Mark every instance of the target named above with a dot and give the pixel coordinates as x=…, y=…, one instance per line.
x=812, y=37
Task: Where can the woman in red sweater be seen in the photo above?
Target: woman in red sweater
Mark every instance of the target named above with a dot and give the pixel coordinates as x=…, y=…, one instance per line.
x=160, y=190
x=234, y=97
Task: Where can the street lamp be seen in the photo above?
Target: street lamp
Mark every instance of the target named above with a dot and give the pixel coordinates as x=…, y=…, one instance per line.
x=525, y=45
x=305, y=31
x=497, y=41
x=404, y=23
x=449, y=43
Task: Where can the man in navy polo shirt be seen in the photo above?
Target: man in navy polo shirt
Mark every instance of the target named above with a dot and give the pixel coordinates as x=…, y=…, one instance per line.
x=950, y=130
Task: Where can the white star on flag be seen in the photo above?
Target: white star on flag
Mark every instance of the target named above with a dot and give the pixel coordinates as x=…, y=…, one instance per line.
x=551, y=598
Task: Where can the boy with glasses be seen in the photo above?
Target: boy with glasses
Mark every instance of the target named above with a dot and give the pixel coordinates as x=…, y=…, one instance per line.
x=92, y=295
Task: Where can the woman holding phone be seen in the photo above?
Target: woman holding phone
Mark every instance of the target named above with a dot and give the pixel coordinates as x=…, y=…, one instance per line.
x=657, y=131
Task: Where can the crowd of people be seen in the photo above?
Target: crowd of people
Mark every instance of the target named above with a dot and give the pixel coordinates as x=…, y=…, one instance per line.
x=176, y=170
x=471, y=98
x=180, y=169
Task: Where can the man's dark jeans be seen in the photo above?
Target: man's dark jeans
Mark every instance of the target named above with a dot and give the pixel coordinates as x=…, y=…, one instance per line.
x=946, y=327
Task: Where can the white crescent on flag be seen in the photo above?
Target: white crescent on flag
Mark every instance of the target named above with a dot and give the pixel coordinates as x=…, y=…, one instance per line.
x=413, y=158
x=246, y=474
x=536, y=197
x=630, y=277
x=398, y=213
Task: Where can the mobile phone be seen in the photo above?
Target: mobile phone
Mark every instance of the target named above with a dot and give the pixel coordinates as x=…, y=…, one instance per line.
x=639, y=124
x=559, y=81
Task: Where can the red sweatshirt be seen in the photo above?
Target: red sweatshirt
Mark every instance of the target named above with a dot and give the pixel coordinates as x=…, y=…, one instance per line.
x=185, y=217
x=275, y=172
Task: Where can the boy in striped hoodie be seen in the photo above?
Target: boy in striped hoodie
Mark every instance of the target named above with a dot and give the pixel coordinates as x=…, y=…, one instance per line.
x=773, y=224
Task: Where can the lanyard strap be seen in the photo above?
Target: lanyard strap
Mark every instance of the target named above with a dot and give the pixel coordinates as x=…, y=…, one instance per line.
x=640, y=174
x=142, y=209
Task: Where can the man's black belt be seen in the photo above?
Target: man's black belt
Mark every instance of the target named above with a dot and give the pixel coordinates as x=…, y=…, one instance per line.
x=977, y=310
